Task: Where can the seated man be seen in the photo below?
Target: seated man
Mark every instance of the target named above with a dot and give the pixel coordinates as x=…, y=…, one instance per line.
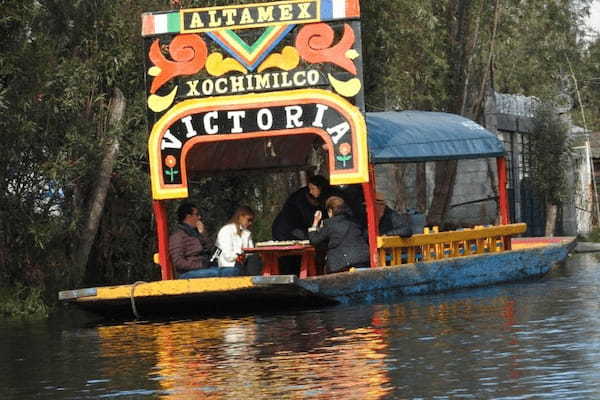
x=189, y=246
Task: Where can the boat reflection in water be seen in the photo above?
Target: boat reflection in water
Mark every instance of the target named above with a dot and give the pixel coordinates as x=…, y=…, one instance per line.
x=523, y=340
x=295, y=356
x=358, y=352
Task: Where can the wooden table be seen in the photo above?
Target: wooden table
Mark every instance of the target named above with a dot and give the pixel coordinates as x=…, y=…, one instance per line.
x=270, y=258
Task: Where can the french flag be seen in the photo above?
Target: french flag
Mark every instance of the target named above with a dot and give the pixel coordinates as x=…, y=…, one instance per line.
x=339, y=9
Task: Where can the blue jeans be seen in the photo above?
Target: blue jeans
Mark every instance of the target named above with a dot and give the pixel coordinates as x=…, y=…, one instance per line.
x=212, y=272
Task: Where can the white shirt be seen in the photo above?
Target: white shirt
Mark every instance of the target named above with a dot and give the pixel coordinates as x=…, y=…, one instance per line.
x=231, y=244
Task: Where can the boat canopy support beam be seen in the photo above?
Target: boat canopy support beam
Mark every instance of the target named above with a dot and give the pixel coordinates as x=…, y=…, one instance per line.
x=373, y=229
x=162, y=235
x=502, y=192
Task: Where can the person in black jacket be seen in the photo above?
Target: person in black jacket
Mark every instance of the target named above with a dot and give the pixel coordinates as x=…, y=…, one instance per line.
x=347, y=243
x=296, y=216
x=391, y=222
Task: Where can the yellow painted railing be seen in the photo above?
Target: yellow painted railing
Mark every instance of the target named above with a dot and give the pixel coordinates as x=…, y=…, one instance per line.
x=434, y=245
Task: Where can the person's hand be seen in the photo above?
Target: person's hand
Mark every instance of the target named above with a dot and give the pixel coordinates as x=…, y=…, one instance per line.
x=241, y=258
x=200, y=226
x=317, y=218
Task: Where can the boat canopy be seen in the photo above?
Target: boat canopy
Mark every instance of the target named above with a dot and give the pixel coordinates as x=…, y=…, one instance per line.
x=404, y=136
x=417, y=136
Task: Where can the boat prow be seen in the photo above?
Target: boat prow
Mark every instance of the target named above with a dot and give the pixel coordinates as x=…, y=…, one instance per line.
x=194, y=296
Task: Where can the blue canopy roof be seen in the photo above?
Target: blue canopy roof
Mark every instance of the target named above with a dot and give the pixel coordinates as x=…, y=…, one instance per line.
x=411, y=136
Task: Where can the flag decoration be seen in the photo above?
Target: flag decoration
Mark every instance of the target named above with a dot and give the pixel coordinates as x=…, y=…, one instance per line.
x=159, y=24
x=173, y=22
x=339, y=9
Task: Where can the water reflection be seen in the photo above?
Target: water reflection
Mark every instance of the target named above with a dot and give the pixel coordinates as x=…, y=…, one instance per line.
x=537, y=339
x=297, y=356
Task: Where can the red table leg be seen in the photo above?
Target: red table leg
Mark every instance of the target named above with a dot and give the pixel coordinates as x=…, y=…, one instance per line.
x=270, y=264
x=312, y=264
x=304, y=267
x=308, y=266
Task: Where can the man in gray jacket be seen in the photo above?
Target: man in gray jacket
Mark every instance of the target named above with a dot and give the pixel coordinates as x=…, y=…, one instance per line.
x=189, y=245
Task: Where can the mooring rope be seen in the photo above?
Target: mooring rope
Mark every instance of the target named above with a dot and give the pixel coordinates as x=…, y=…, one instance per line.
x=133, y=307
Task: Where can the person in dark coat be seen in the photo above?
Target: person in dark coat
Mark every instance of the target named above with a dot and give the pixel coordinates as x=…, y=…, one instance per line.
x=391, y=222
x=297, y=213
x=347, y=242
x=189, y=245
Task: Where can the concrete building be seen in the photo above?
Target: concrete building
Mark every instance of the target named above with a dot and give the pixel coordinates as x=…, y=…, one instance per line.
x=510, y=116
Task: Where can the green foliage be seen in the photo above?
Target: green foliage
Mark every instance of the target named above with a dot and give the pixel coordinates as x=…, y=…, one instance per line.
x=219, y=196
x=593, y=236
x=535, y=40
x=22, y=302
x=403, y=59
x=549, y=151
x=61, y=60
x=587, y=74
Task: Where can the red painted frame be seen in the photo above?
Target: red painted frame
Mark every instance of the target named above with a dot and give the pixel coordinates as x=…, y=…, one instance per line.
x=162, y=236
x=502, y=192
x=372, y=228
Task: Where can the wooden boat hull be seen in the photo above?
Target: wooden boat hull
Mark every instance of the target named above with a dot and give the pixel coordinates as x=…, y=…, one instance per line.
x=530, y=259
x=194, y=296
x=534, y=260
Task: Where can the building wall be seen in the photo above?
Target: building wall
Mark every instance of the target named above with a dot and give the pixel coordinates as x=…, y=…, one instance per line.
x=510, y=116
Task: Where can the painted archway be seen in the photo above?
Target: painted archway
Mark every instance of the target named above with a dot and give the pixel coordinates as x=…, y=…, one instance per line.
x=340, y=124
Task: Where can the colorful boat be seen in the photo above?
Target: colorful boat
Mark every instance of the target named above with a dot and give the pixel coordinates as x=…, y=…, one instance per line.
x=250, y=79
x=530, y=258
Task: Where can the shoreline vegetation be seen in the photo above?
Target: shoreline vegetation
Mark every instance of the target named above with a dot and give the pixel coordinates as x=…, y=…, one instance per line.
x=61, y=64
x=23, y=303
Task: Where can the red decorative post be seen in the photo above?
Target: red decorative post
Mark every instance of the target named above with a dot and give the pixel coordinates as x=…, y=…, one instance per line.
x=372, y=228
x=162, y=235
x=502, y=193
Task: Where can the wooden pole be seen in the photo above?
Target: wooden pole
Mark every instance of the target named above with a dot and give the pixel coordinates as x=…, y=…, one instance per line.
x=162, y=236
x=372, y=228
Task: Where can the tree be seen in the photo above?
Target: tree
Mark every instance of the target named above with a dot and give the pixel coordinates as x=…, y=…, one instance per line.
x=549, y=154
x=60, y=63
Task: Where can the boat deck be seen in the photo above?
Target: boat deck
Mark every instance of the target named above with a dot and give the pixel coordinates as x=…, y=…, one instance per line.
x=532, y=242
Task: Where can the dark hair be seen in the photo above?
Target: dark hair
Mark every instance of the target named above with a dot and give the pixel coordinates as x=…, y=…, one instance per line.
x=239, y=212
x=184, y=210
x=319, y=181
x=336, y=204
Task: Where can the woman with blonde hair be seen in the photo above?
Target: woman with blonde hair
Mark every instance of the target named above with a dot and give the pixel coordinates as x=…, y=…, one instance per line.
x=233, y=237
